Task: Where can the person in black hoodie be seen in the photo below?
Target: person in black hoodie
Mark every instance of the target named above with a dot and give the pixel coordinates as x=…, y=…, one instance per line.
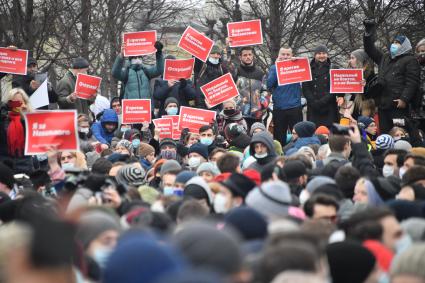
x=262, y=149
x=182, y=90
x=207, y=72
x=252, y=99
x=321, y=104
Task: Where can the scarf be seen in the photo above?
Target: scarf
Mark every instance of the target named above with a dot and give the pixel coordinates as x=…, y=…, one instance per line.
x=15, y=135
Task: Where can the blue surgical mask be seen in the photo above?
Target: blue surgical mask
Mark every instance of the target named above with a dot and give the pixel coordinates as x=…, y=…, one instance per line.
x=101, y=256
x=168, y=191
x=172, y=111
x=214, y=61
x=206, y=141
x=67, y=166
x=135, y=143
x=403, y=243
x=124, y=129
x=393, y=49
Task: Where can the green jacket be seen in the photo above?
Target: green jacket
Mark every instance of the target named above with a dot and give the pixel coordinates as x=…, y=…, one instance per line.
x=65, y=87
x=136, y=78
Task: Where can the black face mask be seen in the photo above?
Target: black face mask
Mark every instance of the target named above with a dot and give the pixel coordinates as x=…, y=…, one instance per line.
x=229, y=112
x=421, y=58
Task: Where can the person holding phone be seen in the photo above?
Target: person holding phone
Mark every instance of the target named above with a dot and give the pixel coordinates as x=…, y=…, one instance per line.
x=398, y=73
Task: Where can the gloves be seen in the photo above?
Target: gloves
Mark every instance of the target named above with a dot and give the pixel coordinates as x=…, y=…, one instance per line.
x=159, y=46
x=183, y=83
x=369, y=25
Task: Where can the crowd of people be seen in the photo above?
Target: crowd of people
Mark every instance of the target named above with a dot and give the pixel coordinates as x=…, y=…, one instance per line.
x=261, y=195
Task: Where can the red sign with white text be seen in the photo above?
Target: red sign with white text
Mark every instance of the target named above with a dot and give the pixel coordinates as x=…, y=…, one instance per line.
x=245, y=33
x=86, y=86
x=178, y=69
x=165, y=127
x=13, y=61
x=176, y=131
x=136, y=111
x=291, y=71
x=220, y=90
x=196, y=43
x=194, y=118
x=51, y=129
x=139, y=43
x=346, y=81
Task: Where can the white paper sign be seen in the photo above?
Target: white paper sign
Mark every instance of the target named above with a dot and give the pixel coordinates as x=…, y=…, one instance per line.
x=40, y=97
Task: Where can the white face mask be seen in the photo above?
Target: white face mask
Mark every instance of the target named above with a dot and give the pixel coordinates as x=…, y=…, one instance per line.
x=261, y=155
x=84, y=130
x=387, y=170
x=67, y=166
x=402, y=171
x=136, y=61
x=194, y=162
x=220, y=203
x=214, y=61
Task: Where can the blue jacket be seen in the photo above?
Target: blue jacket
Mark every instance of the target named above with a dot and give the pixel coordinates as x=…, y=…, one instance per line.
x=99, y=132
x=284, y=97
x=300, y=142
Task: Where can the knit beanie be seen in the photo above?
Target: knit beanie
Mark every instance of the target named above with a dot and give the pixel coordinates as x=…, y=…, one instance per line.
x=360, y=55
x=248, y=222
x=167, y=141
x=305, y=129
x=255, y=126
x=364, y=121
x=239, y=185
x=415, y=227
x=130, y=175
x=139, y=257
x=170, y=166
x=322, y=130
x=411, y=262
x=400, y=38
x=185, y=176
x=200, y=149
x=216, y=50
x=320, y=48
x=384, y=142
x=198, y=188
x=294, y=169
x=171, y=100
x=404, y=145
x=79, y=63
x=349, y=262
x=208, y=167
x=148, y=194
x=95, y=222
x=145, y=149
x=126, y=144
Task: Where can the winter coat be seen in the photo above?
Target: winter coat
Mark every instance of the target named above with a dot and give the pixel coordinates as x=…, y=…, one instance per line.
x=321, y=104
x=252, y=99
x=136, y=77
x=399, y=76
x=24, y=82
x=98, y=129
x=267, y=140
x=205, y=73
x=183, y=95
x=65, y=87
x=300, y=142
x=284, y=97
x=223, y=120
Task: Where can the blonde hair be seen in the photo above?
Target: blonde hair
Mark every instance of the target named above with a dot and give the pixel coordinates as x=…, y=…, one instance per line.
x=80, y=159
x=9, y=96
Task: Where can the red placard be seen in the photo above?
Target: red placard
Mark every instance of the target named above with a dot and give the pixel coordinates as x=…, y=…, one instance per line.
x=291, y=71
x=86, y=86
x=196, y=43
x=194, y=118
x=165, y=127
x=139, y=43
x=136, y=111
x=346, y=81
x=220, y=90
x=178, y=69
x=176, y=131
x=46, y=129
x=13, y=61
x=245, y=33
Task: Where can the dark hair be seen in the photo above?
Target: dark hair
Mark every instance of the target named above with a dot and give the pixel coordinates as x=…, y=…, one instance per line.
x=191, y=209
x=229, y=162
x=418, y=159
x=322, y=199
x=346, y=178
x=413, y=175
x=337, y=143
x=249, y=48
x=400, y=155
x=101, y=166
x=206, y=128
x=216, y=150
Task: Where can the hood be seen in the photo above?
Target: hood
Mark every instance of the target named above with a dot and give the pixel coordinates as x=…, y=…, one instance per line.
x=266, y=139
x=109, y=116
x=405, y=47
x=113, y=99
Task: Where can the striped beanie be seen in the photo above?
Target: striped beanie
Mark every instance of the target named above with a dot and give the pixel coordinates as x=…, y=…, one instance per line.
x=130, y=175
x=384, y=142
